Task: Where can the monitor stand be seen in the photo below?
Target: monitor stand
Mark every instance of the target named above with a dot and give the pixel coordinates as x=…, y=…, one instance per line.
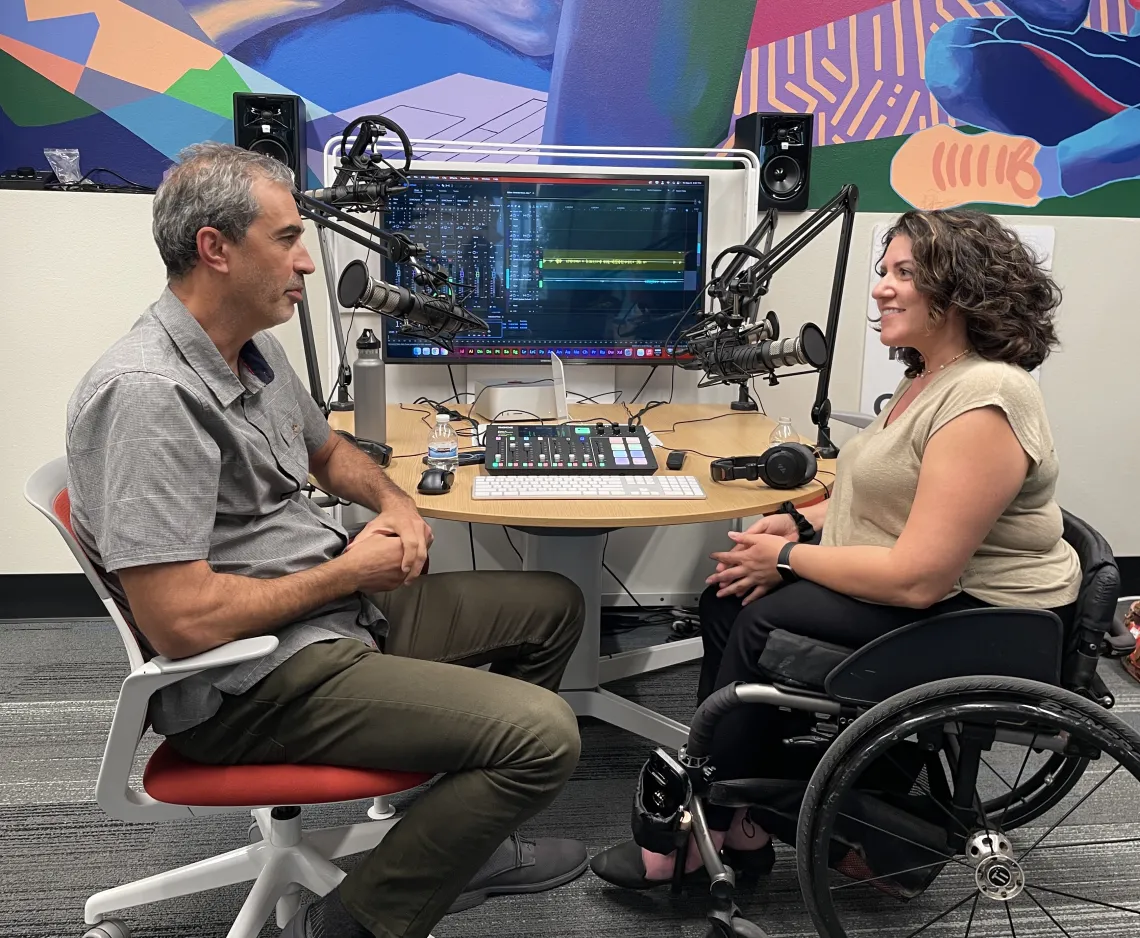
x=522, y=393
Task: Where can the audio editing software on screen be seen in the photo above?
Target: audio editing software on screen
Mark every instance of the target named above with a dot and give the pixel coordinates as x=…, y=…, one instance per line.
x=587, y=267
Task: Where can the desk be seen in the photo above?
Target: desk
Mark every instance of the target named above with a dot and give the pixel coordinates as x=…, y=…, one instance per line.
x=569, y=536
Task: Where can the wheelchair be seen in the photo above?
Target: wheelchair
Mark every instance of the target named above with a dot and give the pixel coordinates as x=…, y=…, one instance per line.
x=956, y=757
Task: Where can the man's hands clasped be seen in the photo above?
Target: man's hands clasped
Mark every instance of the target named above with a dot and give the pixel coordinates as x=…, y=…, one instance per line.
x=748, y=570
x=392, y=548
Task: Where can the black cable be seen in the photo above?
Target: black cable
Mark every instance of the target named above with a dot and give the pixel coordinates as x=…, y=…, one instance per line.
x=735, y=413
x=81, y=183
x=454, y=390
x=512, y=543
x=643, y=384
x=471, y=537
x=617, y=579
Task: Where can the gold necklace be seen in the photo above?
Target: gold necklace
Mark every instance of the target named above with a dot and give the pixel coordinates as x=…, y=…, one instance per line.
x=925, y=373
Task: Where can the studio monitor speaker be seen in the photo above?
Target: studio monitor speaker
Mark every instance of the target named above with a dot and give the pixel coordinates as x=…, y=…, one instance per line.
x=273, y=125
x=783, y=144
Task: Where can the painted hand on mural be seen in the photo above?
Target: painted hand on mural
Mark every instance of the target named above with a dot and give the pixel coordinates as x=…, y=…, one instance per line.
x=1060, y=102
x=528, y=26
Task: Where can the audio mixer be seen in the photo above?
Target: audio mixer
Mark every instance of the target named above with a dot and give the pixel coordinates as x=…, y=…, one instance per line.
x=564, y=449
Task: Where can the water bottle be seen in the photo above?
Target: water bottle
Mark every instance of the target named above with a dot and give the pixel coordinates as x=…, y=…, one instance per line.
x=443, y=445
x=784, y=433
x=369, y=392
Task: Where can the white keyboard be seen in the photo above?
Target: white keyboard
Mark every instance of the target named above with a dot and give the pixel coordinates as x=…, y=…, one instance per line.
x=586, y=486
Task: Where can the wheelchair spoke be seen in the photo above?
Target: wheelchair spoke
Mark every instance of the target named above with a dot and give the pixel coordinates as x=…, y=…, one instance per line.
x=907, y=840
x=1086, y=797
x=941, y=807
x=973, y=909
x=1000, y=777
x=942, y=915
x=1009, y=915
x=1037, y=902
x=1070, y=895
x=1090, y=843
x=1017, y=781
x=875, y=879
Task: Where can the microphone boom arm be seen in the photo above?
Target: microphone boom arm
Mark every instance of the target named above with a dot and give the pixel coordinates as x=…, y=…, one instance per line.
x=760, y=273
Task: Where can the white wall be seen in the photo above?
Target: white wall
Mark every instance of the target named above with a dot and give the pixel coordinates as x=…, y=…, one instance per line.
x=76, y=270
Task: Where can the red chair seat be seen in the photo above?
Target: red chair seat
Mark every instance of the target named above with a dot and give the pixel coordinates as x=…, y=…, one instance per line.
x=172, y=779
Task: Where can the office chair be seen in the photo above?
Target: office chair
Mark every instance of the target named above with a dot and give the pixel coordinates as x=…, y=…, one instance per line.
x=286, y=856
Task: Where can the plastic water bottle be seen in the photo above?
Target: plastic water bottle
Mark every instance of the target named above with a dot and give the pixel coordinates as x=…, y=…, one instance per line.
x=443, y=445
x=783, y=433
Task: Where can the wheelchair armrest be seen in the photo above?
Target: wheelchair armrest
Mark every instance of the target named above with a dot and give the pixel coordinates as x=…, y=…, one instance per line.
x=1025, y=643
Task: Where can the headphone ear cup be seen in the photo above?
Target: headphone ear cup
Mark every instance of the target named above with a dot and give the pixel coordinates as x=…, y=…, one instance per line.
x=787, y=466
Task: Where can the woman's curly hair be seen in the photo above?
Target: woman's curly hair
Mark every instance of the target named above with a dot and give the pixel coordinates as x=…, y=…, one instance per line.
x=969, y=261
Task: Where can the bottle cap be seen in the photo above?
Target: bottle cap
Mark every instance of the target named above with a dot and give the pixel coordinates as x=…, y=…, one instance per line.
x=442, y=418
x=368, y=339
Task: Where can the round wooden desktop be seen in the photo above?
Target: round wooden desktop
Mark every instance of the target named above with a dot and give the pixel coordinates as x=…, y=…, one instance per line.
x=567, y=536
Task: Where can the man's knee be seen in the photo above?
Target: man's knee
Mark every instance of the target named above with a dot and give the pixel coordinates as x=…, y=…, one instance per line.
x=951, y=58
x=554, y=744
x=562, y=598
x=717, y=613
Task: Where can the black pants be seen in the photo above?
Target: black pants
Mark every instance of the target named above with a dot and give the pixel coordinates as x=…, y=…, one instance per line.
x=749, y=740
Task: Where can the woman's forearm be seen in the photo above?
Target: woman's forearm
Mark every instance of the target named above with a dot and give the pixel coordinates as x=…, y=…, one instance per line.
x=816, y=514
x=872, y=574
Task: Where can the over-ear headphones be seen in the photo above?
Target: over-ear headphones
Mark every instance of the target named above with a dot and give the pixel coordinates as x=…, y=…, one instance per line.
x=787, y=466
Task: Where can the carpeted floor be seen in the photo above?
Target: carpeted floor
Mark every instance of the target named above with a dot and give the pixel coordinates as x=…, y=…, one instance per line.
x=58, y=683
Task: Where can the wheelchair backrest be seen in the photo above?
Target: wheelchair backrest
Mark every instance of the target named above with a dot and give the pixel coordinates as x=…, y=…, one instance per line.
x=1096, y=601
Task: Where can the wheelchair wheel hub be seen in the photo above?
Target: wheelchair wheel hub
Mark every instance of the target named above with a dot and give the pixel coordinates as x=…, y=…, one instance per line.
x=998, y=875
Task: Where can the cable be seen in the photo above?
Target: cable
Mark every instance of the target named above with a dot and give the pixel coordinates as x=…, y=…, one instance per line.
x=86, y=184
x=617, y=579
x=454, y=390
x=471, y=538
x=735, y=413
x=649, y=376
x=512, y=543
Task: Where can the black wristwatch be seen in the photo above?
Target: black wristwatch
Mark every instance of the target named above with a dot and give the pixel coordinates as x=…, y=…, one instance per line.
x=783, y=563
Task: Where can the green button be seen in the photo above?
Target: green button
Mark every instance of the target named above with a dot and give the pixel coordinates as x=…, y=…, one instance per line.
x=581, y=429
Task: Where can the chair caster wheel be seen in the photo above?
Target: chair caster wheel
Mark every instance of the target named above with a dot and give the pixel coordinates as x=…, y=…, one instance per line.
x=738, y=927
x=109, y=928
x=253, y=835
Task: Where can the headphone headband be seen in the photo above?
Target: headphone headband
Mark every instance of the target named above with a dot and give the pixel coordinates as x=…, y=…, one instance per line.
x=786, y=466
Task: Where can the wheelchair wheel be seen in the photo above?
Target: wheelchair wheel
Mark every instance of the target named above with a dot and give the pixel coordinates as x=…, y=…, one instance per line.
x=944, y=860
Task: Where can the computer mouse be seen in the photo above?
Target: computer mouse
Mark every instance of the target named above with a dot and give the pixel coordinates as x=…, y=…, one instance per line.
x=435, y=482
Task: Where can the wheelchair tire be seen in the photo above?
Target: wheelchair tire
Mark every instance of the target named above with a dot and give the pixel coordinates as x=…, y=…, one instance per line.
x=975, y=701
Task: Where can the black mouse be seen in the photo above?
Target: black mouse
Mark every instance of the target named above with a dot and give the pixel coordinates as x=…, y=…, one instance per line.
x=435, y=482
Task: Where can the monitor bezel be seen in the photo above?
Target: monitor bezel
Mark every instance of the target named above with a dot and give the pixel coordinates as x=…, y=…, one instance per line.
x=450, y=358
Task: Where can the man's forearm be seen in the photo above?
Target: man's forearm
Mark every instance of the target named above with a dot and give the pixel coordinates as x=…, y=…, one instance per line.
x=230, y=607
x=351, y=474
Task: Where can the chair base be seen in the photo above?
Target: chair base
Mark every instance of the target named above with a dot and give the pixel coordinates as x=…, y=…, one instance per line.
x=284, y=860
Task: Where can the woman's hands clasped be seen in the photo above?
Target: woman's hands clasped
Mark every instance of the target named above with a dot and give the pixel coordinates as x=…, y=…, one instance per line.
x=749, y=570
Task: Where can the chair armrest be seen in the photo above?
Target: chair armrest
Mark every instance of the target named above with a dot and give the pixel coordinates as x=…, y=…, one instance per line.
x=113, y=790
x=244, y=649
x=1024, y=643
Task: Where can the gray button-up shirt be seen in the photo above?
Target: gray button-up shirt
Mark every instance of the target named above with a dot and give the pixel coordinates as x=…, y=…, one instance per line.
x=172, y=457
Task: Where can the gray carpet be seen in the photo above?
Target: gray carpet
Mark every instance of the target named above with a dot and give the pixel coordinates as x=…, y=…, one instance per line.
x=58, y=683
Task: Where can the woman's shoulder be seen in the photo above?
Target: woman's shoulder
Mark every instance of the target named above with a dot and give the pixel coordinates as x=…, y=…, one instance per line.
x=1001, y=379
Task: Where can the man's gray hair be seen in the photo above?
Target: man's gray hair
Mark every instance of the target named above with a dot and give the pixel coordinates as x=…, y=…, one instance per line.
x=209, y=187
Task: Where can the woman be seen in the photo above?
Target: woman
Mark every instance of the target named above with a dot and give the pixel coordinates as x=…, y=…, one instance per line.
x=944, y=502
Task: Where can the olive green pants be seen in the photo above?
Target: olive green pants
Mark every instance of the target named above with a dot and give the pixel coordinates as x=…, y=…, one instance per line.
x=505, y=742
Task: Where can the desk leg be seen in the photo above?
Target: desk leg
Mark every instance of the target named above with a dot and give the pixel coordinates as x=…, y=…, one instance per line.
x=579, y=558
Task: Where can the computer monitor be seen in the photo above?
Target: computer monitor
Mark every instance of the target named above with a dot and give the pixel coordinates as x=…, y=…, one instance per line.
x=597, y=267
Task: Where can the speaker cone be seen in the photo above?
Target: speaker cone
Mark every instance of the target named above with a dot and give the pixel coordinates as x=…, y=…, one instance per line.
x=781, y=175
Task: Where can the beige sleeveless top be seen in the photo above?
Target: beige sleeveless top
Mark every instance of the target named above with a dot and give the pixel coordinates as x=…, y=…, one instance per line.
x=1023, y=561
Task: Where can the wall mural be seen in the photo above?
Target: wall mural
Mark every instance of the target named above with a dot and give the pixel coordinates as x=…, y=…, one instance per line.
x=1022, y=106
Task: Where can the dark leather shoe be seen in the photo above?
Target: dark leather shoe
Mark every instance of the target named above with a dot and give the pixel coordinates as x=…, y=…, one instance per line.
x=524, y=866
x=622, y=866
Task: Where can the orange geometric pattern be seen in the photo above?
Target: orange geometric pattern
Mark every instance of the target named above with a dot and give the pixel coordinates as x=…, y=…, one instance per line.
x=60, y=71
x=130, y=45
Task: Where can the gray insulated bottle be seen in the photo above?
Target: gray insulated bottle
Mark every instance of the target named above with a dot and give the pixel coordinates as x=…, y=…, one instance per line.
x=369, y=394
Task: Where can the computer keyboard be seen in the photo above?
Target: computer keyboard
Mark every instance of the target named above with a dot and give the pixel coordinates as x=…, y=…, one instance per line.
x=586, y=486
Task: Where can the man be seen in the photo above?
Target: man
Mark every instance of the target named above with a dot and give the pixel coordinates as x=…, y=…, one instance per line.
x=188, y=445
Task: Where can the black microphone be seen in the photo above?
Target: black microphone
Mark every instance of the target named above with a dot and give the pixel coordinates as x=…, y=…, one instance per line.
x=355, y=192
x=726, y=354
x=423, y=315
